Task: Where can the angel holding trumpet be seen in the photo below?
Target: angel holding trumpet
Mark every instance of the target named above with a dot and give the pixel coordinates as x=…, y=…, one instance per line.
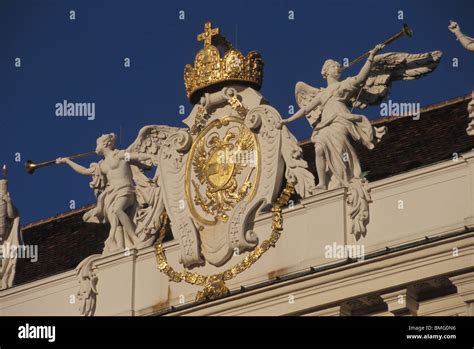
x=336, y=128
x=127, y=199
x=115, y=190
x=334, y=124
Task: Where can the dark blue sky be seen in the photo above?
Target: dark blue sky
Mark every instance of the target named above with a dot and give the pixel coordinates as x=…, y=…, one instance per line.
x=82, y=61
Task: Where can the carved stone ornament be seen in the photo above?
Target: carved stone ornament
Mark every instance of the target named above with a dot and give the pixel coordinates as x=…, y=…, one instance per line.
x=87, y=292
x=216, y=181
x=229, y=164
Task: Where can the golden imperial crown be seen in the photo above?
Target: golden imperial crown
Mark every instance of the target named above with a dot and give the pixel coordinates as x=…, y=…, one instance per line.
x=211, y=70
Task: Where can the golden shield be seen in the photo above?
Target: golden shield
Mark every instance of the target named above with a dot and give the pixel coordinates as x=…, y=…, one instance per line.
x=222, y=169
x=218, y=173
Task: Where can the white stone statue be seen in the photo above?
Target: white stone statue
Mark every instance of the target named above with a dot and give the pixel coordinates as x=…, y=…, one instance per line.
x=335, y=127
x=126, y=198
x=468, y=44
x=11, y=237
x=118, y=199
x=466, y=41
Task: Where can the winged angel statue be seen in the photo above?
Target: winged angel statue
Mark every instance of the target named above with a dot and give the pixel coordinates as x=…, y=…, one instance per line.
x=468, y=43
x=127, y=199
x=335, y=127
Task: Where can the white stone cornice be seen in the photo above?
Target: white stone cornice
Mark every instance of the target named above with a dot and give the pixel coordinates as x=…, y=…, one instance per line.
x=338, y=310
x=339, y=284
x=116, y=258
x=418, y=174
x=401, y=302
x=465, y=285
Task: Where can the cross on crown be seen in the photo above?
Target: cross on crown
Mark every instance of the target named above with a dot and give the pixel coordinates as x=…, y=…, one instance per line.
x=212, y=68
x=208, y=33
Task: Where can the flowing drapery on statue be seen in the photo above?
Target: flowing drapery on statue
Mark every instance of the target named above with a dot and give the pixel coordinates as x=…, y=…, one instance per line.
x=113, y=200
x=122, y=187
x=12, y=240
x=149, y=196
x=113, y=185
x=126, y=198
x=335, y=127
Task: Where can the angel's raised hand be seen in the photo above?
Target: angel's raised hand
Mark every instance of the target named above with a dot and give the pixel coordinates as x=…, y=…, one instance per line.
x=61, y=160
x=453, y=26
x=280, y=124
x=376, y=49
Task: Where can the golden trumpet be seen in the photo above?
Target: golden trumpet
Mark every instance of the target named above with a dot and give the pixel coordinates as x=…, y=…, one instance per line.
x=30, y=166
x=406, y=31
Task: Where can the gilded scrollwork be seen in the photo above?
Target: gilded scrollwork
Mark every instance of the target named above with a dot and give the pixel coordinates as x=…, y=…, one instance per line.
x=216, y=162
x=214, y=285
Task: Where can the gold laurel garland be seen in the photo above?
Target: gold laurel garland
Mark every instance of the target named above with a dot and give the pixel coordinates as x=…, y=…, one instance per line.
x=214, y=285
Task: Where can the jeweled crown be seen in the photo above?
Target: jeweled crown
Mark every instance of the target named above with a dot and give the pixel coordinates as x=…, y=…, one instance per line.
x=211, y=69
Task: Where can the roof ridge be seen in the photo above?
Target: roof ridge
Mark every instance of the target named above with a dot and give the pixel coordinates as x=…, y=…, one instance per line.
x=427, y=108
x=57, y=216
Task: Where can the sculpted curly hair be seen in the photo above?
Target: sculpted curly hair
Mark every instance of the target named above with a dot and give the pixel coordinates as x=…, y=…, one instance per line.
x=108, y=140
x=326, y=65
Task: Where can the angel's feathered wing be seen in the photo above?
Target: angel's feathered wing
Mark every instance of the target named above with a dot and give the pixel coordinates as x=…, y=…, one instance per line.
x=390, y=67
x=149, y=203
x=149, y=141
x=304, y=94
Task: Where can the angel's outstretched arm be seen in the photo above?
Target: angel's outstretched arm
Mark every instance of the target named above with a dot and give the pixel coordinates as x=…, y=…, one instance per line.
x=303, y=111
x=124, y=155
x=298, y=115
x=466, y=41
x=76, y=167
x=365, y=71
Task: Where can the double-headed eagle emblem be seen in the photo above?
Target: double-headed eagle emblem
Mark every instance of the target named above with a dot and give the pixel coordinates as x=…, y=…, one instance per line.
x=224, y=167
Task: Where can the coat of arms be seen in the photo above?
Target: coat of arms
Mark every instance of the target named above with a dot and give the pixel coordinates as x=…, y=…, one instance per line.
x=222, y=170
x=229, y=164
